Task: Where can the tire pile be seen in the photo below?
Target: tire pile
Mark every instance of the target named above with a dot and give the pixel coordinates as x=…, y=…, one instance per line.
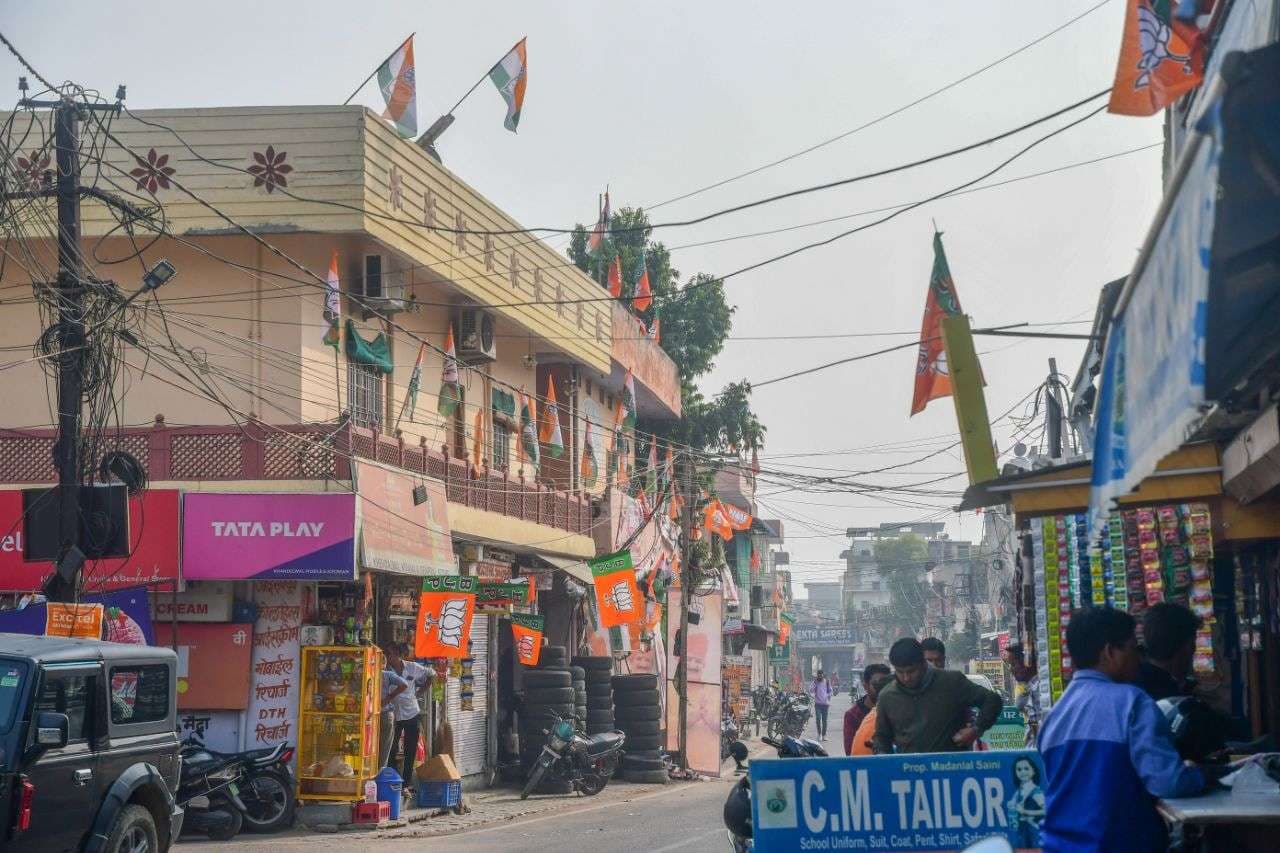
x=548, y=690
x=638, y=714
x=598, y=693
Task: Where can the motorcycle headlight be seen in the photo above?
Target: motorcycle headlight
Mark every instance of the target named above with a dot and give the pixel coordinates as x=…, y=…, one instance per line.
x=563, y=730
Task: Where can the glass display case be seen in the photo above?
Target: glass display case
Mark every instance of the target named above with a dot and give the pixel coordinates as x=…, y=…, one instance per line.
x=338, y=721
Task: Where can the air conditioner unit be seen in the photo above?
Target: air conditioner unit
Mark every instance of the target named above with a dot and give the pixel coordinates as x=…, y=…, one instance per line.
x=381, y=290
x=476, y=338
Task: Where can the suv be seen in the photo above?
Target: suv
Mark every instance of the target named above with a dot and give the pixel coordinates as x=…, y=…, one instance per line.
x=88, y=746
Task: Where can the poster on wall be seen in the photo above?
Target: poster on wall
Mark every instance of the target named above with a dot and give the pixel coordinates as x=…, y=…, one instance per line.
x=704, y=659
x=282, y=536
x=704, y=725
x=126, y=617
x=704, y=636
x=153, y=548
x=272, y=715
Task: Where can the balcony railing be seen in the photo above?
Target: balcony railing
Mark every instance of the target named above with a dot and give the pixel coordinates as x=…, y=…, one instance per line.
x=258, y=451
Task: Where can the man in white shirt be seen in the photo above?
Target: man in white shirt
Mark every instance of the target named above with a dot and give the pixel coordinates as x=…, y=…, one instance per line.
x=406, y=709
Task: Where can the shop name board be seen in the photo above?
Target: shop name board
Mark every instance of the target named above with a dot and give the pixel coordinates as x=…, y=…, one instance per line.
x=823, y=635
x=283, y=529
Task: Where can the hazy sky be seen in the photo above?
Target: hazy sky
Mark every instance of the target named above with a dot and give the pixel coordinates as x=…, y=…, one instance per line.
x=662, y=98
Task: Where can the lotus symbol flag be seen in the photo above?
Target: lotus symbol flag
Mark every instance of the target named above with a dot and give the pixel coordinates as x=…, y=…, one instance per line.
x=525, y=648
x=445, y=610
x=620, y=596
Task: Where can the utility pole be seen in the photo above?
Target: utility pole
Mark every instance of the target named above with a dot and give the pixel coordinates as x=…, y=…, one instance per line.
x=686, y=590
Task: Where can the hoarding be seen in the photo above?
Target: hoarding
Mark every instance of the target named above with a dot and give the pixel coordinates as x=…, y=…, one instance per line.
x=395, y=534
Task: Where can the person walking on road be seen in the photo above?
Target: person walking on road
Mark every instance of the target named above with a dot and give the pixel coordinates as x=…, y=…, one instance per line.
x=925, y=709
x=859, y=710
x=820, y=690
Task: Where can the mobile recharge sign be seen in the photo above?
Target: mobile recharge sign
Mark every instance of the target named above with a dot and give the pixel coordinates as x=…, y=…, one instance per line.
x=931, y=801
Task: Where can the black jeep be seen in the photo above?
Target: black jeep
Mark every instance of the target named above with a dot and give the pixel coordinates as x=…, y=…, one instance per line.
x=88, y=746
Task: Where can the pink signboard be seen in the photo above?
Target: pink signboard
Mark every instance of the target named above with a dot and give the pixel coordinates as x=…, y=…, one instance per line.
x=282, y=536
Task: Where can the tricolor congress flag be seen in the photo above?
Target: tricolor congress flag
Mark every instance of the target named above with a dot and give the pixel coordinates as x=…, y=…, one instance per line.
x=510, y=75
x=396, y=80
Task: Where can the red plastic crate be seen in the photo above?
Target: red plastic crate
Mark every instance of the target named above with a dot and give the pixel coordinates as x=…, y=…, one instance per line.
x=371, y=812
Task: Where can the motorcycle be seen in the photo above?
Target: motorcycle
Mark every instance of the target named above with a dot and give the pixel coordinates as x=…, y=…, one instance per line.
x=730, y=745
x=209, y=793
x=267, y=789
x=790, y=715
x=737, y=808
x=585, y=761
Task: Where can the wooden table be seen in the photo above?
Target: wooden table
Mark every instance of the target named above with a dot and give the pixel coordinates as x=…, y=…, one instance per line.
x=1189, y=817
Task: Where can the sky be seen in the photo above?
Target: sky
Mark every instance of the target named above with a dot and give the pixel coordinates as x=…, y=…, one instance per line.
x=659, y=99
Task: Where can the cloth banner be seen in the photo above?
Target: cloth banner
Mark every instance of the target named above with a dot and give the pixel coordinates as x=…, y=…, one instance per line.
x=618, y=600
x=526, y=630
x=445, y=608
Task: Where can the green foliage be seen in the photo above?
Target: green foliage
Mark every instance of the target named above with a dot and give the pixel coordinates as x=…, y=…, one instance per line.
x=901, y=562
x=695, y=318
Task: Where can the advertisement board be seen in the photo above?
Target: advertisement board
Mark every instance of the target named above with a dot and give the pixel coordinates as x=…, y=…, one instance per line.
x=254, y=536
x=824, y=635
x=1009, y=731
x=126, y=617
x=213, y=663
x=925, y=802
x=152, y=560
x=395, y=534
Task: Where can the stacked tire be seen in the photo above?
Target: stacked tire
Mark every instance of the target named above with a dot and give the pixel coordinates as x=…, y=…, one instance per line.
x=598, y=690
x=548, y=693
x=579, y=695
x=638, y=714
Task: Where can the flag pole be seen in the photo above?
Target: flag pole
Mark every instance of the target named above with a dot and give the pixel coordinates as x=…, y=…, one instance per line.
x=376, y=67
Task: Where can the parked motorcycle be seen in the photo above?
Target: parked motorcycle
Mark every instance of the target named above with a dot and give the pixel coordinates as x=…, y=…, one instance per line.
x=730, y=745
x=737, y=808
x=585, y=761
x=790, y=715
x=267, y=789
x=209, y=793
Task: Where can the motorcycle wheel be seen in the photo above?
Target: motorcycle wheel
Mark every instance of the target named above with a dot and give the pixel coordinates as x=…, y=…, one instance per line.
x=226, y=833
x=268, y=801
x=535, y=777
x=593, y=783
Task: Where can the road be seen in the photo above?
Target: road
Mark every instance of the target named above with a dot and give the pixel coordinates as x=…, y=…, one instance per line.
x=834, y=741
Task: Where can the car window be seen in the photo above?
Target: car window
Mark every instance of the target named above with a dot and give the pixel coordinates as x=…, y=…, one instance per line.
x=12, y=674
x=139, y=694
x=70, y=695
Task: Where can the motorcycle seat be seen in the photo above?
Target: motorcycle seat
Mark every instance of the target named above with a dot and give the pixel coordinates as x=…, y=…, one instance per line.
x=204, y=761
x=604, y=742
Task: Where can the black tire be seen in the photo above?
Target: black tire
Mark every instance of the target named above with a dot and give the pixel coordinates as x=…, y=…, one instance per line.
x=546, y=678
x=599, y=663
x=637, y=712
x=600, y=728
x=602, y=689
x=635, y=699
x=134, y=826
x=638, y=681
x=548, y=696
x=643, y=743
x=539, y=770
x=646, y=777
x=651, y=728
x=268, y=799
x=579, y=673
x=649, y=754
x=593, y=784
x=601, y=715
x=230, y=831
x=630, y=764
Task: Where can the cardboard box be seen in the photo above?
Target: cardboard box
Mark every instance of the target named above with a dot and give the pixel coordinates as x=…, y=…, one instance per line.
x=440, y=768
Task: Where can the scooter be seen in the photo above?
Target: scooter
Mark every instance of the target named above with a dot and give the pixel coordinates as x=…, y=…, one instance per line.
x=209, y=793
x=587, y=762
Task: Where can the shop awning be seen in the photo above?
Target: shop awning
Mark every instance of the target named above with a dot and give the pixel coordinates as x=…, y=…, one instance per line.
x=398, y=534
x=576, y=569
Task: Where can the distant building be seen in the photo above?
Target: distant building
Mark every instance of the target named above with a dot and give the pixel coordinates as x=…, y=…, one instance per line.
x=826, y=597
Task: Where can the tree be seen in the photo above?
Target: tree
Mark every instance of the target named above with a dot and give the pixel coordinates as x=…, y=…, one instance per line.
x=963, y=646
x=901, y=563
x=695, y=318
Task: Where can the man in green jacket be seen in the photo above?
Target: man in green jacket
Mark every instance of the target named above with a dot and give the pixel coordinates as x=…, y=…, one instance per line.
x=924, y=708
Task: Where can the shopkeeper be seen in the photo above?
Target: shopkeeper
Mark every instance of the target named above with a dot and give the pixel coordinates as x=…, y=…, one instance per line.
x=406, y=708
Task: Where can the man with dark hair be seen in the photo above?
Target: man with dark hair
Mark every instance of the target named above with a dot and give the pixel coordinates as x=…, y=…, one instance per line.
x=1169, y=634
x=935, y=653
x=924, y=709
x=1106, y=747
x=858, y=710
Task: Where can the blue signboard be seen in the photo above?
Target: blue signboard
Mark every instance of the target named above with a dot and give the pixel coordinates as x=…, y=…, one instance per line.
x=931, y=801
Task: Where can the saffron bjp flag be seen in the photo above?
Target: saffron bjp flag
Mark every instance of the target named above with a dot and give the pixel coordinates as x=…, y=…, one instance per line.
x=445, y=608
x=399, y=89
x=784, y=627
x=618, y=600
x=510, y=76
x=450, y=384
x=333, y=305
x=739, y=519
x=526, y=634
x=1161, y=58
x=715, y=519
x=550, y=434
x=596, y=241
x=643, y=296
x=614, y=277
x=932, y=377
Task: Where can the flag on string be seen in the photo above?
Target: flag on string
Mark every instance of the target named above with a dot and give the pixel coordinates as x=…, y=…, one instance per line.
x=445, y=608
x=550, y=433
x=619, y=446
x=715, y=519
x=415, y=383
x=629, y=401
x=1161, y=58
x=596, y=241
x=643, y=294
x=477, y=437
x=615, y=277
x=333, y=305
x=739, y=518
x=526, y=633
x=932, y=377
x=654, y=332
x=396, y=80
x=510, y=76
x=450, y=383
x=529, y=431
x=590, y=469
x=785, y=622
x=618, y=600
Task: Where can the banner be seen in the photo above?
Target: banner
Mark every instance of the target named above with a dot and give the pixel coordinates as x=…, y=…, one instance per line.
x=932, y=801
x=1009, y=731
x=126, y=615
x=526, y=631
x=396, y=533
x=618, y=598
x=493, y=597
x=83, y=621
x=445, y=609
x=272, y=716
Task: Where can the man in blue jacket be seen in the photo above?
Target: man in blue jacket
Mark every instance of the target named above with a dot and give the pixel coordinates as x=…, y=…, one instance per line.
x=1106, y=747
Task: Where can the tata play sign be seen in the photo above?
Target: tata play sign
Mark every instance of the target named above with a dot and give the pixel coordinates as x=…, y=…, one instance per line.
x=233, y=536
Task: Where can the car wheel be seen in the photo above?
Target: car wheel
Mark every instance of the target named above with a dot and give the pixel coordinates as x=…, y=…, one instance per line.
x=133, y=832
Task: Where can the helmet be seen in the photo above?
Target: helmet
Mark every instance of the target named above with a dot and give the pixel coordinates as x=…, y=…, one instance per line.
x=737, y=809
x=1195, y=727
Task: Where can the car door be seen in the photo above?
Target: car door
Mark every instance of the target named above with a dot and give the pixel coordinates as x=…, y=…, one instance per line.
x=67, y=788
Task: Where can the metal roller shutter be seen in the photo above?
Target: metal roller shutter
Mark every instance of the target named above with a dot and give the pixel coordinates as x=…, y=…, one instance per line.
x=470, y=728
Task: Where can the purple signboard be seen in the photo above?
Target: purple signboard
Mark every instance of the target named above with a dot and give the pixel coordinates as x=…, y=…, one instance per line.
x=281, y=536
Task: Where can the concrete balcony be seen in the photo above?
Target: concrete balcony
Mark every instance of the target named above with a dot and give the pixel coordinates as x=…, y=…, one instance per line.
x=657, y=382
x=318, y=452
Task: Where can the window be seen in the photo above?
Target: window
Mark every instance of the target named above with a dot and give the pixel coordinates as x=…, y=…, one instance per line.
x=501, y=446
x=12, y=674
x=364, y=395
x=139, y=694
x=70, y=695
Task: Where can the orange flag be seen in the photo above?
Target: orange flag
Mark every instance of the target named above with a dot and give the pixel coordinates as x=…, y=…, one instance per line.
x=615, y=277
x=1161, y=59
x=716, y=520
x=643, y=297
x=526, y=632
x=477, y=437
x=617, y=596
x=932, y=379
x=445, y=608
